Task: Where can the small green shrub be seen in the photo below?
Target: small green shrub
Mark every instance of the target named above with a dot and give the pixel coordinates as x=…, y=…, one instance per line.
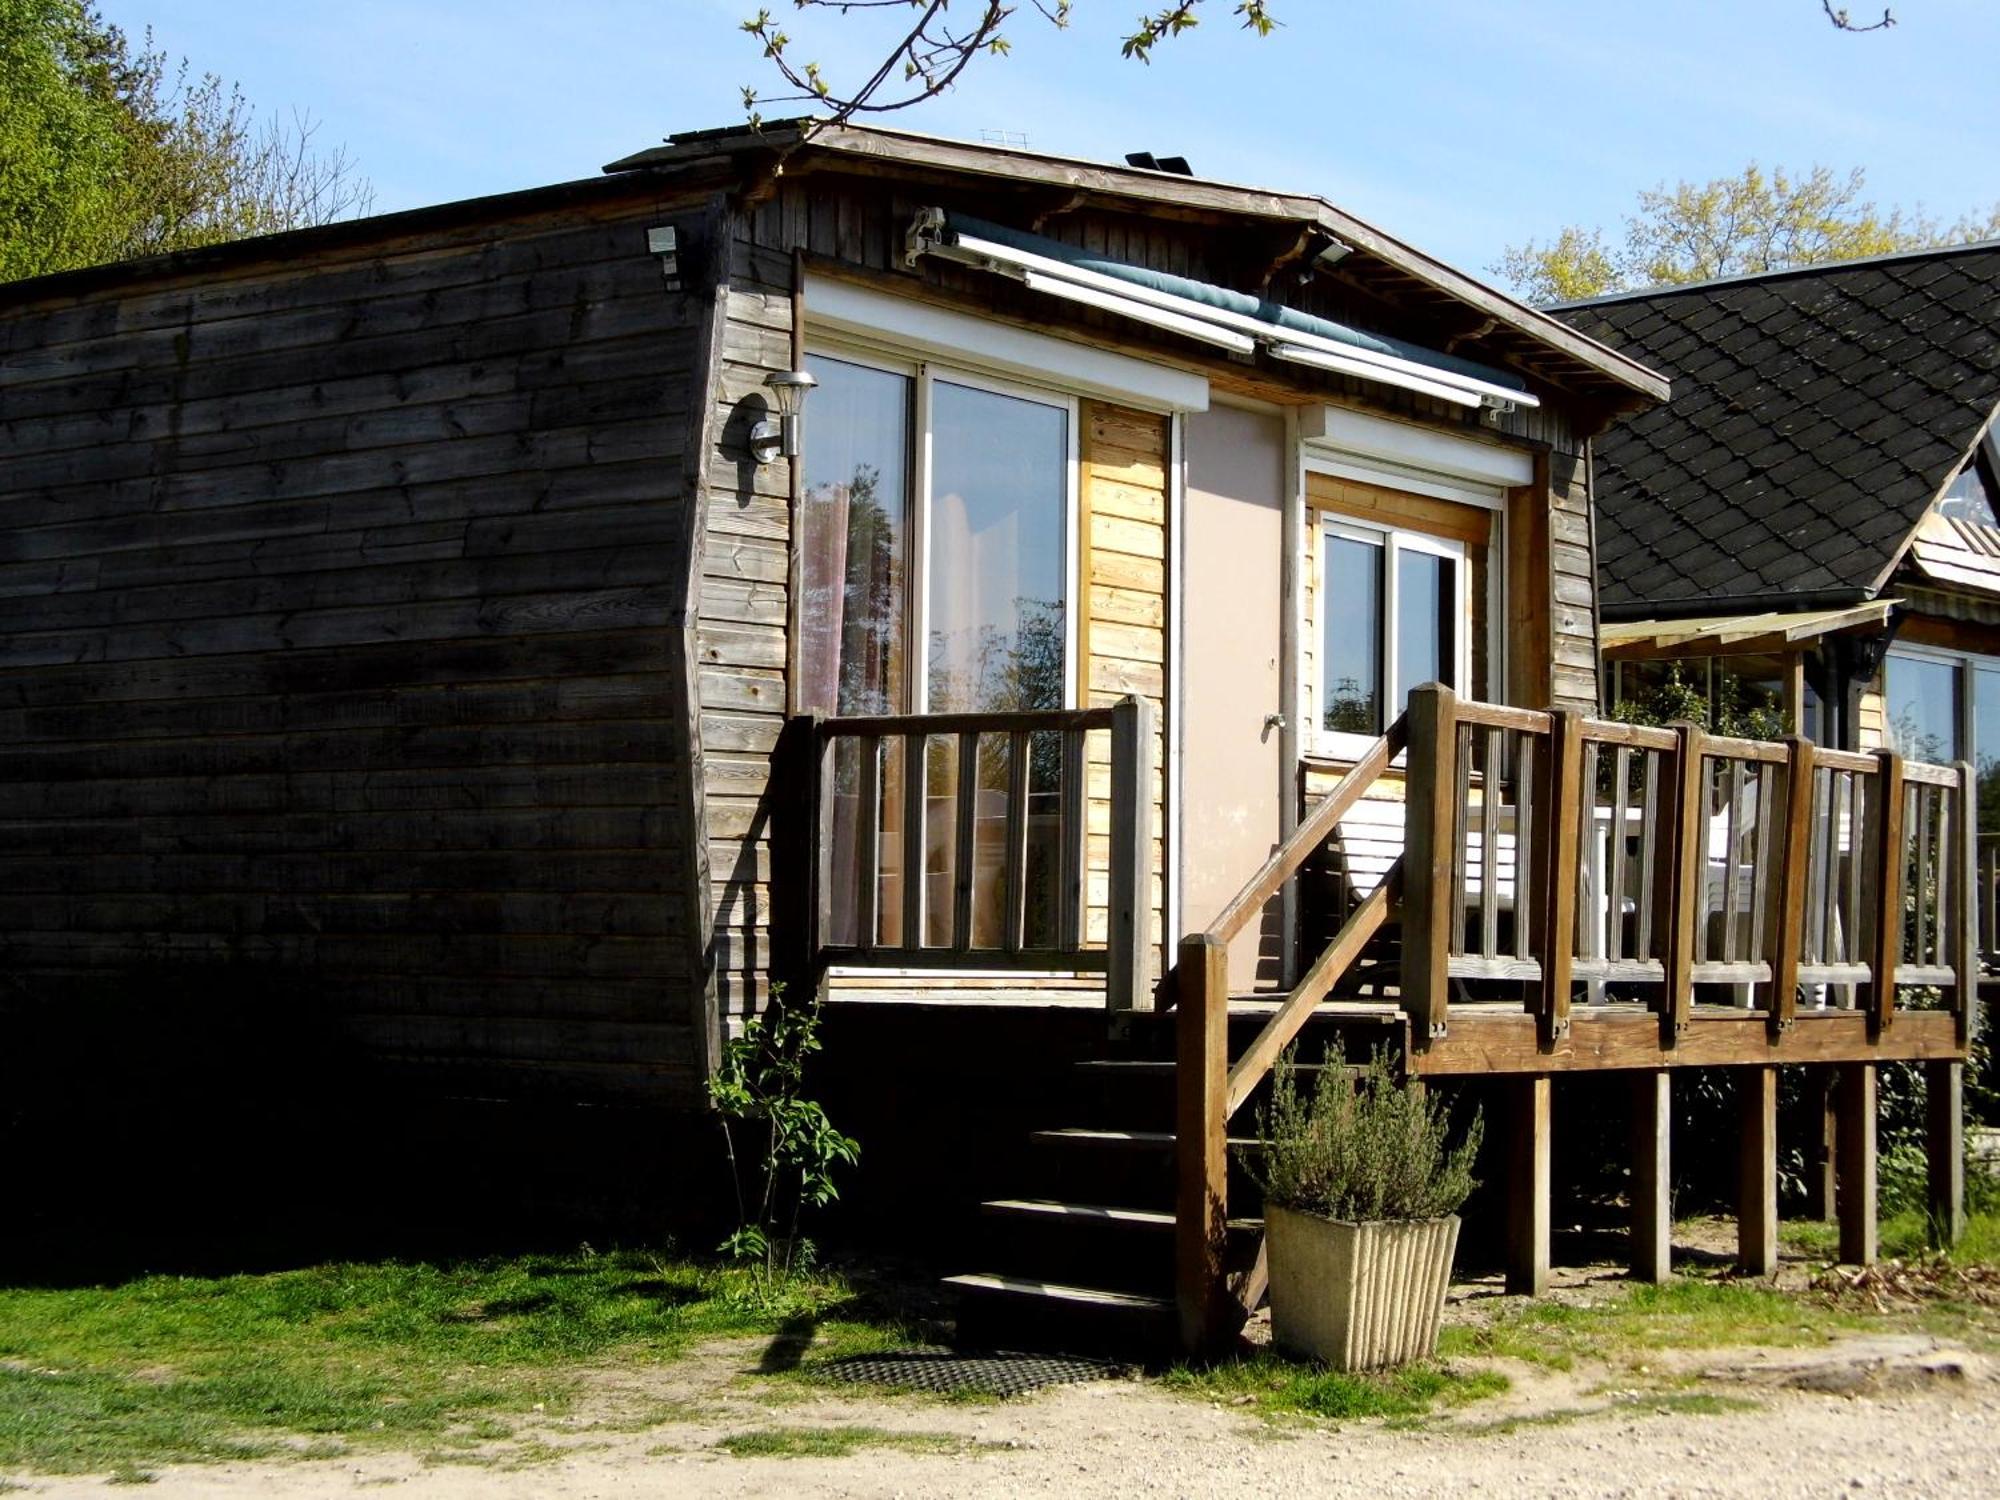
x=782, y=1147
x=1364, y=1147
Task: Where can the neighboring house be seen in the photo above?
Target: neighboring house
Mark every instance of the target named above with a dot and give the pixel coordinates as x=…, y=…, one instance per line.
x=1809, y=526
x=431, y=627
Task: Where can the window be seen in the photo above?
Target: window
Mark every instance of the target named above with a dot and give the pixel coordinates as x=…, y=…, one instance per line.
x=1394, y=612
x=937, y=509
x=975, y=478
x=1943, y=706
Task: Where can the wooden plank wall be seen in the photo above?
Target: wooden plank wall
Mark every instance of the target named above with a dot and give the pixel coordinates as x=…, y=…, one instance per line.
x=744, y=612
x=1572, y=587
x=336, y=652
x=1122, y=634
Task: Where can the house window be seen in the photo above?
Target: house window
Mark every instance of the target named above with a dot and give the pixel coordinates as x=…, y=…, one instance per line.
x=937, y=509
x=973, y=477
x=1944, y=706
x=1395, y=612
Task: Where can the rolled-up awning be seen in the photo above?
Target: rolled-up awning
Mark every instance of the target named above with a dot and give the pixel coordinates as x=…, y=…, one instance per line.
x=1216, y=315
x=1717, y=635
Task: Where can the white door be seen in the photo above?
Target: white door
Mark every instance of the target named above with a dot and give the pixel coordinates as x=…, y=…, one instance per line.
x=1232, y=634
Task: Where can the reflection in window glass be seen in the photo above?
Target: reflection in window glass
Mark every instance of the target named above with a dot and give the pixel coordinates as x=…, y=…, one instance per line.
x=1426, y=645
x=1969, y=499
x=1351, y=635
x=997, y=546
x=1923, y=707
x=853, y=525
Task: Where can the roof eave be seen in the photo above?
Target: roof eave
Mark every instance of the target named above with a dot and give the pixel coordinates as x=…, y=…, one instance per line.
x=1642, y=385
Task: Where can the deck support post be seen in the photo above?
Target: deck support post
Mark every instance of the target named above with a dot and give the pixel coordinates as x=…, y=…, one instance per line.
x=1854, y=1166
x=1757, y=1171
x=1652, y=1176
x=1528, y=1215
x=1944, y=1146
x=1201, y=1209
x=1429, y=853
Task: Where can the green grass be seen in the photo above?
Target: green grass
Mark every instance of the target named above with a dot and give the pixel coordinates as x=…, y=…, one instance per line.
x=1275, y=1386
x=836, y=1442
x=1901, y=1236
x=178, y=1369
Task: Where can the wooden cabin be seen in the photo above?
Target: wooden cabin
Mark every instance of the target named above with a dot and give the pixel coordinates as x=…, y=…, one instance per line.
x=1088, y=624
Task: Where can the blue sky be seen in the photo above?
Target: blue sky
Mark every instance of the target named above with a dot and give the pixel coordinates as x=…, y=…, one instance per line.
x=1462, y=126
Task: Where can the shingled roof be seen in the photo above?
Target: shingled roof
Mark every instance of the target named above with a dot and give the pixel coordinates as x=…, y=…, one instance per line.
x=1816, y=414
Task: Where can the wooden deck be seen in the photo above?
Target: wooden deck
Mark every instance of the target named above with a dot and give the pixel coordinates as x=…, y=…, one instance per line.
x=1571, y=895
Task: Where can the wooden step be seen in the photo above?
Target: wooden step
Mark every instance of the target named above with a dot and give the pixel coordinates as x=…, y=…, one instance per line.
x=1051, y=1210
x=1138, y=1140
x=1051, y=1293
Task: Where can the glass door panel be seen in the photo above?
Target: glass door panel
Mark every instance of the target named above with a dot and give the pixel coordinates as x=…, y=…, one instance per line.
x=1351, y=634
x=998, y=551
x=854, y=521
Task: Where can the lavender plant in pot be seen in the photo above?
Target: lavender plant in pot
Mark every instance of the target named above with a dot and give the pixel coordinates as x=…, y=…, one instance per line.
x=1362, y=1187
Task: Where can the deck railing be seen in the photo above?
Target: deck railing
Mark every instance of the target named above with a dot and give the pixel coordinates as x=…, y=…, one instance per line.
x=966, y=840
x=1552, y=851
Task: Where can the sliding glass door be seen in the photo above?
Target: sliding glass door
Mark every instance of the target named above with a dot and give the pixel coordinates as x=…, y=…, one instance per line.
x=976, y=480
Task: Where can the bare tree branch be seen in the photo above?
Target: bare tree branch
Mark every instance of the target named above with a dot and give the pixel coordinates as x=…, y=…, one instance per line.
x=1838, y=15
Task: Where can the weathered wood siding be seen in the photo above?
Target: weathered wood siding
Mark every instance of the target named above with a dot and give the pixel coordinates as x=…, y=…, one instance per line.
x=1122, y=636
x=336, y=659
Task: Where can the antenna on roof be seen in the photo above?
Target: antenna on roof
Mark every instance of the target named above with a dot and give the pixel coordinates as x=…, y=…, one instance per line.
x=1017, y=139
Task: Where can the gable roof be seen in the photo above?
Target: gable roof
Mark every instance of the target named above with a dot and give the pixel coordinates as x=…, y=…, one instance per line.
x=1528, y=338
x=1816, y=415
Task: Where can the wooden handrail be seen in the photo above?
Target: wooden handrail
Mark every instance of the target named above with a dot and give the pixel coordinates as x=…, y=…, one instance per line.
x=1313, y=830
x=1002, y=721
x=1262, y=1054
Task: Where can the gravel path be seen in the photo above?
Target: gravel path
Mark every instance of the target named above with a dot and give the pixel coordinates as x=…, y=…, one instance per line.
x=1904, y=1417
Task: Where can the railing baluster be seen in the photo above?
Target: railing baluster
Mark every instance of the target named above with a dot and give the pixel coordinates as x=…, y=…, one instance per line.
x=868, y=833
x=1789, y=937
x=1731, y=849
x=1769, y=809
x=1525, y=812
x=964, y=831
x=1855, y=927
x=1615, y=853
x=1886, y=896
x=1917, y=809
x=916, y=788
x=1649, y=849
x=1070, y=838
x=1129, y=899
x=1432, y=783
x=1014, y=914
x=1489, y=845
x=1965, y=947
x=1942, y=889
x=1685, y=857
x=1566, y=813
x=1590, y=918
x=1461, y=839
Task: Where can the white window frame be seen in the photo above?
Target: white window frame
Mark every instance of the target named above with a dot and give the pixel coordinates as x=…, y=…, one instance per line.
x=923, y=373
x=1344, y=744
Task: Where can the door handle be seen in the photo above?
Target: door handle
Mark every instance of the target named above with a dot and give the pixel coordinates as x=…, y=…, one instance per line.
x=1274, y=721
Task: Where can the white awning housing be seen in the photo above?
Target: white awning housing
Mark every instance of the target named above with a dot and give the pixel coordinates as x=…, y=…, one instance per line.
x=1192, y=317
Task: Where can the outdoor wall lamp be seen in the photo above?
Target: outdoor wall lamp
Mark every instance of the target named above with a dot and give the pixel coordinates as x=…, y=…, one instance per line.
x=774, y=439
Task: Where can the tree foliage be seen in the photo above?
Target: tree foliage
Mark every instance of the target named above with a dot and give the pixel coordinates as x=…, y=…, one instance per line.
x=933, y=52
x=108, y=150
x=1744, y=225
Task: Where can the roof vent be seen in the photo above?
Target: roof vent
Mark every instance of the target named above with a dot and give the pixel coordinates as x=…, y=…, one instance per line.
x=1178, y=165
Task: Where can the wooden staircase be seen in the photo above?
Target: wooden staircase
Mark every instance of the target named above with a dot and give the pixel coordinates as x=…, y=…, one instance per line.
x=1084, y=1258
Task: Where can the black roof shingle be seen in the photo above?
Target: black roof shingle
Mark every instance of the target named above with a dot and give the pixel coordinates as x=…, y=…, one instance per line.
x=1816, y=413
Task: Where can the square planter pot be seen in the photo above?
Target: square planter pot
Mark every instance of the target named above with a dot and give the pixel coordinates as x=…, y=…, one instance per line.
x=1358, y=1296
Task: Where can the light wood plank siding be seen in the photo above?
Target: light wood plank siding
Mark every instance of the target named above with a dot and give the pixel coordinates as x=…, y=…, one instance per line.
x=336, y=668
x=1572, y=588
x=1122, y=634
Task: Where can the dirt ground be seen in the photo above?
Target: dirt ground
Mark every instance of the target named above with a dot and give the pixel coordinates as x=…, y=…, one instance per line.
x=1895, y=1414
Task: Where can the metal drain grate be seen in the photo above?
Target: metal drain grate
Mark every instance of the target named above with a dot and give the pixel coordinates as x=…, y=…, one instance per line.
x=946, y=1372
